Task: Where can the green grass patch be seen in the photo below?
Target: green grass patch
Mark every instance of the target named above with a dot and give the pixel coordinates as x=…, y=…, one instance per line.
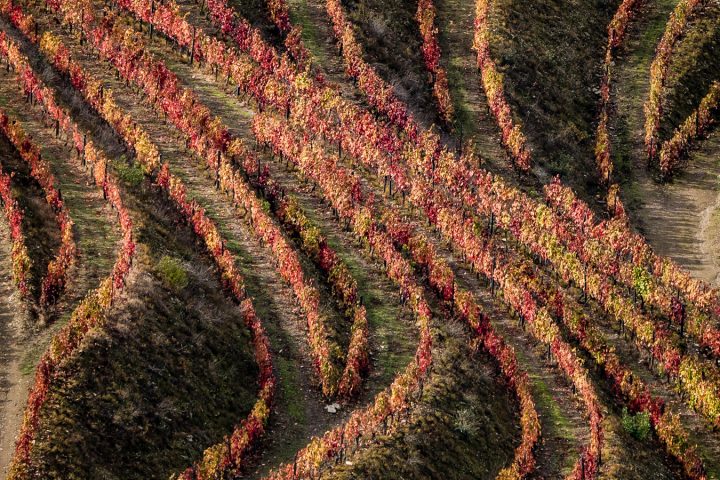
x=459, y=95
x=547, y=406
x=31, y=358
x=299, y=15
x=545, y=400
x=290, y=389
x=390, y=332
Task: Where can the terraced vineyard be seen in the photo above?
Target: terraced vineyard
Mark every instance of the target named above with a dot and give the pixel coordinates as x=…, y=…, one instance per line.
x=325, y=239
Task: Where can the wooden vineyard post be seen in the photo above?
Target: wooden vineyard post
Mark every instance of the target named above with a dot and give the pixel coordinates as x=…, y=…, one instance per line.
x=192, y=47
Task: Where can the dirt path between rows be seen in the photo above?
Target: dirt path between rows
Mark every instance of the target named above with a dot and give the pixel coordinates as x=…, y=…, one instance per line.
x=13, y=343
x=96, y=235
x=680, y=218
x=676, y=218
x=455, y=22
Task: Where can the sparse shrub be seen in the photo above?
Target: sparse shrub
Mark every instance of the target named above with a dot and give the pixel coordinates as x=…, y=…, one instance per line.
x=466, y=422
x=172, y=273
x=266, y=206
x=636, y=425
x=130, y=174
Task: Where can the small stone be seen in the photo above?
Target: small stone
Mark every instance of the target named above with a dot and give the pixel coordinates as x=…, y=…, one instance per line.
x=333, y=408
